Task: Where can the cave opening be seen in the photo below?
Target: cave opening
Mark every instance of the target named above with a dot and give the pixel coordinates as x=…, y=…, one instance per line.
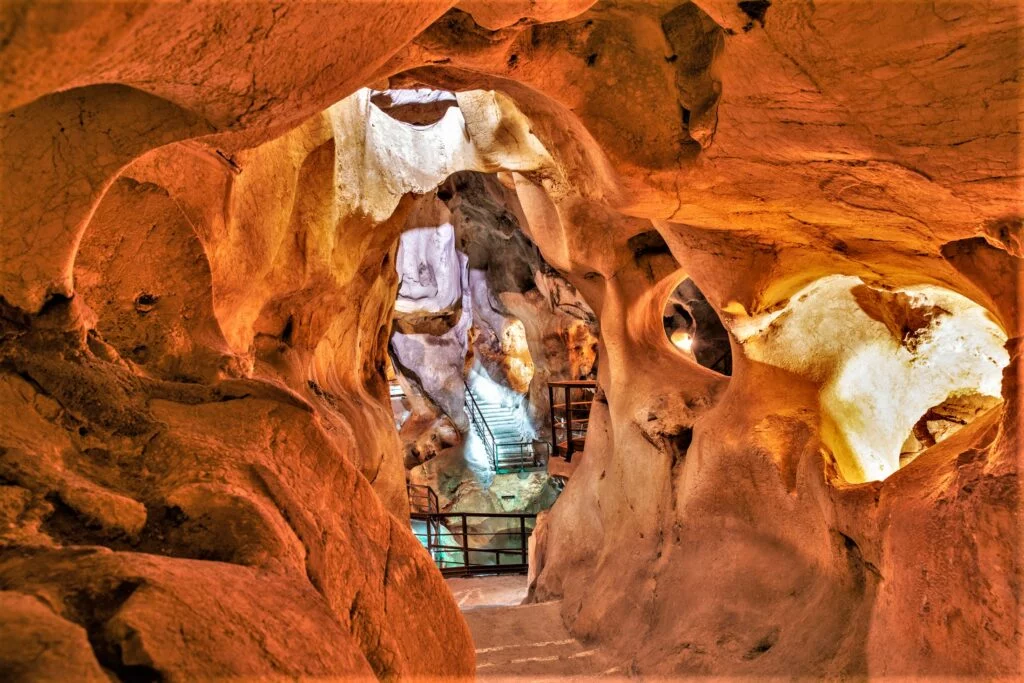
x=901, y=368
x=482, y=325
x=693, y=327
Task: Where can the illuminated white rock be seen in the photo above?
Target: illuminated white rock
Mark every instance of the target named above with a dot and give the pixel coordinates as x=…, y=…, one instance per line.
x=429, y=272
x=883, y=359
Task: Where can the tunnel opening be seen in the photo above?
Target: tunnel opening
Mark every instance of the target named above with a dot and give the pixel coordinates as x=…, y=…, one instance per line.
x=416, y=106
x=481, y=326
x=901, y=368
x=694, y=328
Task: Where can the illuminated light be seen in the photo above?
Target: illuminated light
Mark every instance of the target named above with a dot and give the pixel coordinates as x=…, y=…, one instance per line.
x=476, y=456
x=478, y=461
x=683, y=341
x=518, y=362
x=734, y=308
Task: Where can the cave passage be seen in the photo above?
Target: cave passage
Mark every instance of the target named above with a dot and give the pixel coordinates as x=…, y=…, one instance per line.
x=518, y=339
x=481, y=325
x=695, y=329
x=901, y=369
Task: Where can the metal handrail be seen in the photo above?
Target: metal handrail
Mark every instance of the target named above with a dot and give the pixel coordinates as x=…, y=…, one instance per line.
x=426, y=493
x=419, y=492
x=468, y=566
x=478, y=419
x=526, y=453
x=724, y=361
x=529, y=452
x=568, y=407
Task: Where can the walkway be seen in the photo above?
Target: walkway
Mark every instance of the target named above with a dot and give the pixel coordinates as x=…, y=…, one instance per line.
x=523, y=642
x=501, y=428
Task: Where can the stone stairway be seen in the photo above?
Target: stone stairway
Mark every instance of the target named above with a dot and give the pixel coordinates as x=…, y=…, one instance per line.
x=516, y=642
x=529, y=643
x=511, y=449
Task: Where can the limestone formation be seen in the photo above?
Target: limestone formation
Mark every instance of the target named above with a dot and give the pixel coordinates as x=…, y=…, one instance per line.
x=201, y=210
x=504, y=323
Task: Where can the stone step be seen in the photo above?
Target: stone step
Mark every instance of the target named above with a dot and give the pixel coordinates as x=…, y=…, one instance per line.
x=503, y=424
x=530, y=642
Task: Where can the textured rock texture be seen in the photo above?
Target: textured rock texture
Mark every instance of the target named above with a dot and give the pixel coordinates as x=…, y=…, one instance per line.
x=503, y=320
x=199, y=472
x=476, y=296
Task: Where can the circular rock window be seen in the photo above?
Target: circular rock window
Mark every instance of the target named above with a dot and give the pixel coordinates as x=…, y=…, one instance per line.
x=694, y=328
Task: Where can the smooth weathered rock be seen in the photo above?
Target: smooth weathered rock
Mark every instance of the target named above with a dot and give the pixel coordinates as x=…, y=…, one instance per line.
x=242, y=489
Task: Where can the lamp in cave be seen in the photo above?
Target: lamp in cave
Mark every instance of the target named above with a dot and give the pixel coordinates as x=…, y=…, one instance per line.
x=683, y=341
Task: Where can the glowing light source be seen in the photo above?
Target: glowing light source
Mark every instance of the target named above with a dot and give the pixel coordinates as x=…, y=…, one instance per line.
x=683, y=341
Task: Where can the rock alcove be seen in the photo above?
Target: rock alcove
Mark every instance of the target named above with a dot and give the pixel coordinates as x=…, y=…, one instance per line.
x=225, y=229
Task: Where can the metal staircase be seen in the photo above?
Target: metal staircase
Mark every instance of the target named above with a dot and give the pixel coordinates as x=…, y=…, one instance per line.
x=508, y=449
x=395, y=389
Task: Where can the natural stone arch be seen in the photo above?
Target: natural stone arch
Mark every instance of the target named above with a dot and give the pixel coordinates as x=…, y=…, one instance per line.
x=112, y=109
x=143, y=271
x=882, y=360
x=693, y=326
x=39, y=264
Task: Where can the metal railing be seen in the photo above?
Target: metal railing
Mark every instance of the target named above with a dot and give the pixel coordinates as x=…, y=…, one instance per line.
x=570, y=419
x=724, y=363
x=423, y=499
x=395, y=389
x=504, y=455
x=523, y=454
x=453, y=539
x=476, y=418
x=505, y=549
x=424, y=506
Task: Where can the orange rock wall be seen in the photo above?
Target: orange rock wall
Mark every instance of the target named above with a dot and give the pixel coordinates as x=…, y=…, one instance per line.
x=197, y=279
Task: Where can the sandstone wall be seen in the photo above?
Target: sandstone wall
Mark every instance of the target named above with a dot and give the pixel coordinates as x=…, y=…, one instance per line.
x=210, y=460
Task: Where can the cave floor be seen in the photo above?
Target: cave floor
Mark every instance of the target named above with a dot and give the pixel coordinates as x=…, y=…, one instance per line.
x=518, y=642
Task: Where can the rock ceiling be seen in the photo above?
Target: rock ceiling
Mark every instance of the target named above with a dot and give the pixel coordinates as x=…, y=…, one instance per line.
x=201, y=205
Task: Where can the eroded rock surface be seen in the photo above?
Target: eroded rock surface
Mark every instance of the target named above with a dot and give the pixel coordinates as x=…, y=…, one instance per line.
x=211, y=459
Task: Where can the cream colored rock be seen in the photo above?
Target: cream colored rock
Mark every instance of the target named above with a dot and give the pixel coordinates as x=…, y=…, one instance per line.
x=430, y=276
x=882, y=361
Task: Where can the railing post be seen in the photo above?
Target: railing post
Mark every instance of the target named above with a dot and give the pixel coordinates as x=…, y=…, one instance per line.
x=465, y=543
x=554, y=432
x=522, y=538
x=568, y=424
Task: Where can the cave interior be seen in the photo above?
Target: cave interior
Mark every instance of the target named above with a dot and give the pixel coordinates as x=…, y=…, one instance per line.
x=685, y=332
